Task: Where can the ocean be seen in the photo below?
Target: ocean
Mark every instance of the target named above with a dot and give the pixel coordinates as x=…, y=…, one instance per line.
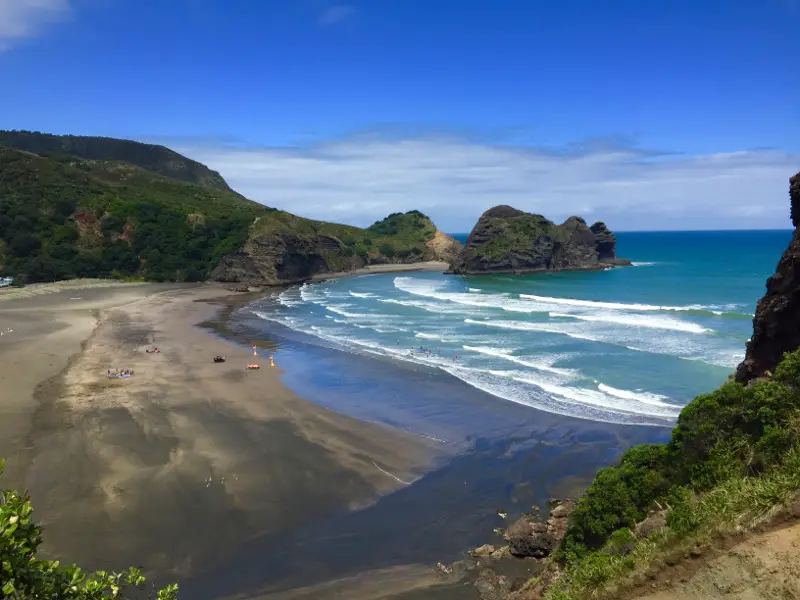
x=629, y=345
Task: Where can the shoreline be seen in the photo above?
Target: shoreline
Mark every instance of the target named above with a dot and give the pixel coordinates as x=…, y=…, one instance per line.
x=225, y=454
x=428, y=266
x=502, y=455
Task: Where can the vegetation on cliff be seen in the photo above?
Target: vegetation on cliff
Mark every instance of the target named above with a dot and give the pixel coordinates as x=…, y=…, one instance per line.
x=99, y=207
x=24, y=576
x=283, y=247
x=63, y=217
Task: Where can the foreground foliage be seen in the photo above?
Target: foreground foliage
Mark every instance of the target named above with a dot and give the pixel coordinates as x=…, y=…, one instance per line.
x=733, y=458
x=24, y=576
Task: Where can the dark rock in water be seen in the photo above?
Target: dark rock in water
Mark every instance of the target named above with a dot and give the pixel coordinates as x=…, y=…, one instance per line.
x=507, y=240
x=531, y=538
x=776, y=325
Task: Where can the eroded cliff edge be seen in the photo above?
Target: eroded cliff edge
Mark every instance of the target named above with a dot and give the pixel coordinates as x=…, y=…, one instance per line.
x=507, y=240
x=776, y=325
x=282, y=248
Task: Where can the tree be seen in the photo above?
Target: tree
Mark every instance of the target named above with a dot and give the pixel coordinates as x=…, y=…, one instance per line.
x=25, y=577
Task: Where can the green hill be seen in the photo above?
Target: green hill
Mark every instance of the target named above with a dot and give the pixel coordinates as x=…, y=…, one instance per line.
x=282, y=247
x=157, y=159
x=116, y=208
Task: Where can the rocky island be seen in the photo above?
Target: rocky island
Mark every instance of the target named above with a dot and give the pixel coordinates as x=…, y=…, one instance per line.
x=507, y=240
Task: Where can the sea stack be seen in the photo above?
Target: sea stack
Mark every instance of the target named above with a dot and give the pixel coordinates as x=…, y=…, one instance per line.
x=507, y=240
x=776, y=325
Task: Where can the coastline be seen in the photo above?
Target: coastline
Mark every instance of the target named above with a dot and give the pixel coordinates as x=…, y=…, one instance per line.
x=246, y=474
x=499, y=454
x=186, y=460
x=431, y=266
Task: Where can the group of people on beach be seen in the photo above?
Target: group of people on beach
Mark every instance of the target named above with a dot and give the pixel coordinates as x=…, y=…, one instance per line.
x=118, y=373
x=123, y=373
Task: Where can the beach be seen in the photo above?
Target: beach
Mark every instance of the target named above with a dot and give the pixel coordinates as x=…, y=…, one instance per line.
x=378, y=446
x=187, y=459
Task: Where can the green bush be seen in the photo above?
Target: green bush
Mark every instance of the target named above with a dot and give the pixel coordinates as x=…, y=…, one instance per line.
x=387, y=250
x=736, y=431
x=618, y=497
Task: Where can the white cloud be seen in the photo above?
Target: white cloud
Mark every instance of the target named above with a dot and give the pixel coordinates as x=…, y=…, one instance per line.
x=360, y=180
x=336, y=14
x=25, y=18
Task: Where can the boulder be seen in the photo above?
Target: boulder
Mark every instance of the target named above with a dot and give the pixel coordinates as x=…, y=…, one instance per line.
x=653, y=522
x=529, y=538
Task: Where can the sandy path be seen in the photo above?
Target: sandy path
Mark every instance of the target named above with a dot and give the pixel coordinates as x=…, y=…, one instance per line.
x=187, y=459
x=765, y=566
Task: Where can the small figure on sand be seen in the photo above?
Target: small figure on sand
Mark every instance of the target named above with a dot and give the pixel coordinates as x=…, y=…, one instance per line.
x=253, y=366
x=271, y=361
x=219, y=359
x=255, y=353
x=153, y=351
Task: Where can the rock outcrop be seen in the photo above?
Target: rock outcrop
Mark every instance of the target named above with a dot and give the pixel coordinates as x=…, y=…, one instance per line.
x=527, y=537
x=283, y=248
x=605, y=242
x=776, y=325
x=279, y=258
x=507, y=240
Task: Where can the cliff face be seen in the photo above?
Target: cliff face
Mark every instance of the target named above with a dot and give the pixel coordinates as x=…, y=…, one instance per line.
x=507, y=240
x=776, y=325
x=283, y=248
x=605, y=241
x=284, y=257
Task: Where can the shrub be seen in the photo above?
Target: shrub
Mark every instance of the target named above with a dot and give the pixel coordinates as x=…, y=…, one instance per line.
x=618, y=497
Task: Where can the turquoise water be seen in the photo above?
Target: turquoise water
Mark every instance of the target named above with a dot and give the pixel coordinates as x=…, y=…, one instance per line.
x=628, y=345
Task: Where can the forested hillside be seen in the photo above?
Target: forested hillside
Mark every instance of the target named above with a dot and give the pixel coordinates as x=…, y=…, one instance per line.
x=117, y=208
x=61, y=217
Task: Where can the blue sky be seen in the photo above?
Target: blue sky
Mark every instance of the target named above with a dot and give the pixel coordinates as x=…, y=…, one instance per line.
x=665, y=114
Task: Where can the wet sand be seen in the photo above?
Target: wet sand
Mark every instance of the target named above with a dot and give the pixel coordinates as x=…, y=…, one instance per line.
x=187, y=460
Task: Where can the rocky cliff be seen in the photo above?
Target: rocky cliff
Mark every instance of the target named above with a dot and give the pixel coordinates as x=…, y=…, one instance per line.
x=776, y=325
x=283, y=248
x=507, y=240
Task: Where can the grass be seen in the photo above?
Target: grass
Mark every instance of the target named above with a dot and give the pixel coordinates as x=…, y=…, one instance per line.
x=695, y=522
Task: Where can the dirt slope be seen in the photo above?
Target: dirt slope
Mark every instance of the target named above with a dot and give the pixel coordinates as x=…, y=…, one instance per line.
x=765, y=566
